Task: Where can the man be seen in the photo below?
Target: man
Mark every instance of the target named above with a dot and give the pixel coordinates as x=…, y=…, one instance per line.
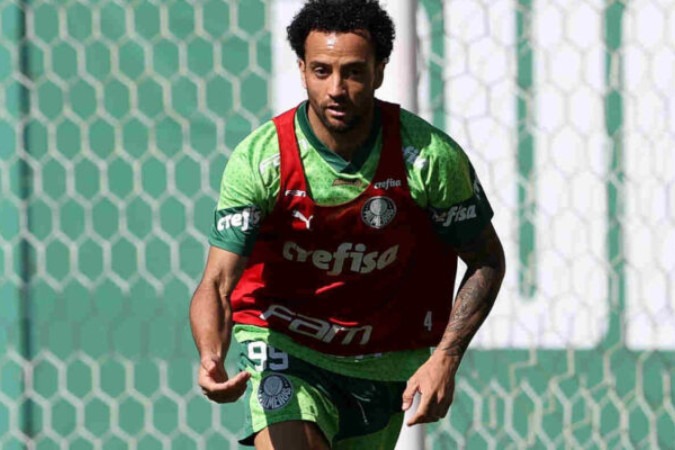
x=333, y=254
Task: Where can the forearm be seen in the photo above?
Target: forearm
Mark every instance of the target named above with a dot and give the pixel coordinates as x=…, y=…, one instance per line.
x=474, y=301
x=476, y=295
x=211, y=321
x=210, y=310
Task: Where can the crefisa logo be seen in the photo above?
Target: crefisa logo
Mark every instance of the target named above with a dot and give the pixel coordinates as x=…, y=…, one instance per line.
x=378, y=212
x=275, y=391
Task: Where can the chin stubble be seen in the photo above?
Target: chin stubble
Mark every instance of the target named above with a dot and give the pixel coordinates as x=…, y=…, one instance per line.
x=346, y=127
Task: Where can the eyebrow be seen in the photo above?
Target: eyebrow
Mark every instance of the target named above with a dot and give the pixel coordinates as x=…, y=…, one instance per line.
x=357, y=63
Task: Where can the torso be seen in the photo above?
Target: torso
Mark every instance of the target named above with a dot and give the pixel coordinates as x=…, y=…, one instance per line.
x=366, y=276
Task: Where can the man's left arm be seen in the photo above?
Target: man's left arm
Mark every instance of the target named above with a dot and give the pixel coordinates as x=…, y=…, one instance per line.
x=435, y=379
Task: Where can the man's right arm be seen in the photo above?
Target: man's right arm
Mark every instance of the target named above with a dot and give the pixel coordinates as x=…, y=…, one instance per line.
x=245, y=198
x=211, y=323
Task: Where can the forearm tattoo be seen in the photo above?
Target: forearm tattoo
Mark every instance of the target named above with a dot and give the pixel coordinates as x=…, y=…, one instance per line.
x=485, y=269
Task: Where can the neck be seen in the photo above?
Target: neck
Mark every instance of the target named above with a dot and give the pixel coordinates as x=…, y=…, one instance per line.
x=345, y=143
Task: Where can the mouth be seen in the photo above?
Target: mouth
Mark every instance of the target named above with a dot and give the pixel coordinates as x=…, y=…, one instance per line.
x=337, y=111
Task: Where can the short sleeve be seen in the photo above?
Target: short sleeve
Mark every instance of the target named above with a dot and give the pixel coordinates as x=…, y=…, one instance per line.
x=457, y=204
x=244, y=199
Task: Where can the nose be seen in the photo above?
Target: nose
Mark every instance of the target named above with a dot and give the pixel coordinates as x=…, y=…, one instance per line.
x=337, y=86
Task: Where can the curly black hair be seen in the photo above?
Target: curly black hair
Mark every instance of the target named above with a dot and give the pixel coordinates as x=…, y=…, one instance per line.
x=342, y=16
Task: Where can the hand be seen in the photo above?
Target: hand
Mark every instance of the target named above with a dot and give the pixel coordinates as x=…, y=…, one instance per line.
x=215, y=384
x=435, y=381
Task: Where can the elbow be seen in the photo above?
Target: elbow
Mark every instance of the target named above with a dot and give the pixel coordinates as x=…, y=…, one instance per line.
x=500, y=267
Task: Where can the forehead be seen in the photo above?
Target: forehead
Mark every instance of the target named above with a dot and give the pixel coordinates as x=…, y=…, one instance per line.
x=321, y=44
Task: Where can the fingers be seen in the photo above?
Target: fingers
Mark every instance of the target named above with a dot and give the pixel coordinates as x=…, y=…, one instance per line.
x=227, y=391
x=430, y=409
x=409, y=395
x=427, y=416
x=422, y=414
x=435, y=391
x=241, y=378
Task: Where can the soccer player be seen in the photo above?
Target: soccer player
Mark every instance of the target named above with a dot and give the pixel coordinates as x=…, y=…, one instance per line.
x=333, y=254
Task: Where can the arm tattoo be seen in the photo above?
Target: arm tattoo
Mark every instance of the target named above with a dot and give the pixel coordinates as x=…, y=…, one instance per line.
x=485, y=269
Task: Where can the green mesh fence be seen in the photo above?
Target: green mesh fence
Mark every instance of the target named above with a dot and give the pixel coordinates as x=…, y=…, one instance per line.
x=116, y=119
x=115, y=125
x=555, y=57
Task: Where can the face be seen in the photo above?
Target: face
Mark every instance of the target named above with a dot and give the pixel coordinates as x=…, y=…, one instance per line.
x=341, y=75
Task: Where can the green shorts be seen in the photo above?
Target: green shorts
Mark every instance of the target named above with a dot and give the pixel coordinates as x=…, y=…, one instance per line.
x=352, y=413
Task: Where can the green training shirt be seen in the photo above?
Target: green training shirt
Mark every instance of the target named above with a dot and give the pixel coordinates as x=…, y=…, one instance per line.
x=440, y=176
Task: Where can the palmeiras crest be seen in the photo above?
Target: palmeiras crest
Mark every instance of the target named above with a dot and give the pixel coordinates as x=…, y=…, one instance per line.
x=275, y=392
x=378, y=212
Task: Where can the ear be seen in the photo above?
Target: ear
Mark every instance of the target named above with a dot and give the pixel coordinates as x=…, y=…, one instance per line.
x=301, y=67
x=379, y=73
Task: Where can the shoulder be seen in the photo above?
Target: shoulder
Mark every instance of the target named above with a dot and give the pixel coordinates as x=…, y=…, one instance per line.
x=259, y=144
x=425, y=145
x=259, y=150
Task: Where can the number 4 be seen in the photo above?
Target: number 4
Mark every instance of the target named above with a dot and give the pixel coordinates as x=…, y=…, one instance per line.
x=427, y=321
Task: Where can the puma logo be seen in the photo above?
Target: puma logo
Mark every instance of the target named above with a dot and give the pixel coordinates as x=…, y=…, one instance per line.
x=298, y=215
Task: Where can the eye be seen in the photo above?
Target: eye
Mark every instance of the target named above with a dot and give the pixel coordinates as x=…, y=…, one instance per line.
x=320, y=72
x=355, y=72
